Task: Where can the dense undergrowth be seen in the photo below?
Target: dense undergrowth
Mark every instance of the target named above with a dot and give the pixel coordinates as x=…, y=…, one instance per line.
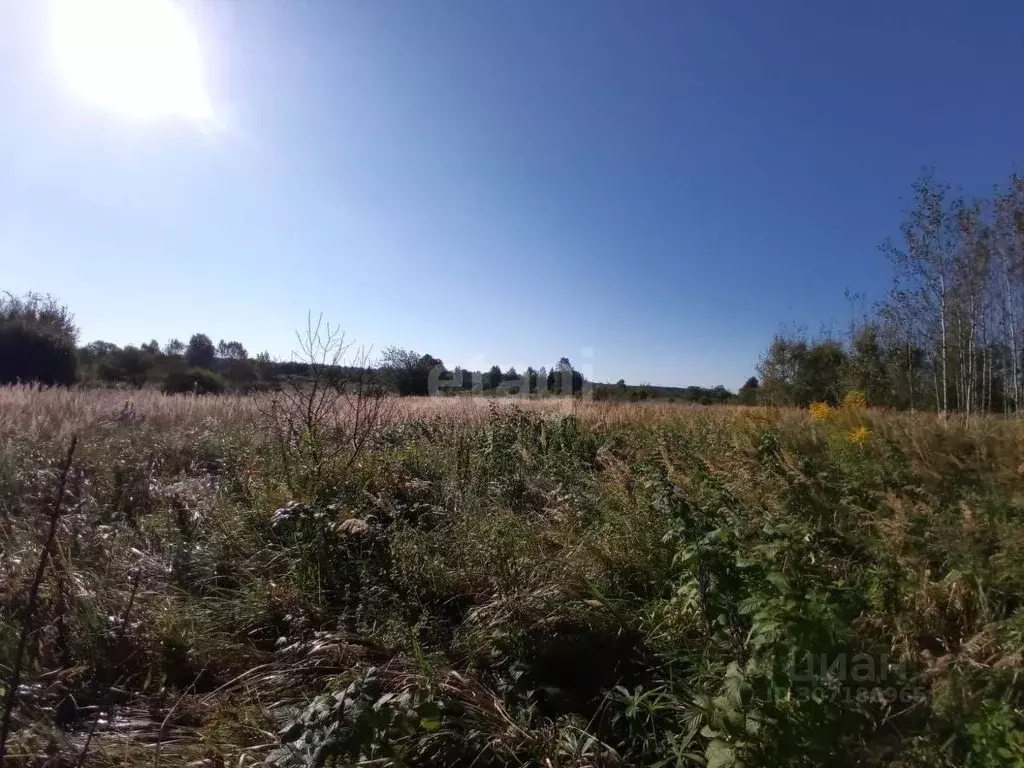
x=721, y=587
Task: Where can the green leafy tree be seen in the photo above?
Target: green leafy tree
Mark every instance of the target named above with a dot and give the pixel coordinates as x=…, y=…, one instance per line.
x=232, y=350
x=409, y=371
x=748, y=392
x=91, y=359
x=200, y=352
x=174, y=347
x=867, y=368
x=779, y=369
x=531, y=379
x=643, y=392
x=493, y=378
x=264, y=366
x=97, y=350
x=564, y=379
x=818, y=378
x=37, y=341
x=130, y=365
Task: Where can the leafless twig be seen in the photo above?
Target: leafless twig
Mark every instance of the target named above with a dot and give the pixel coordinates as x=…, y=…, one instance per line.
x=325, y=419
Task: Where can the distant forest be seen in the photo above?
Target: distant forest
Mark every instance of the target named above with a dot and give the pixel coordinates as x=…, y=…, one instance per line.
x=38, y=344
x=947, y=337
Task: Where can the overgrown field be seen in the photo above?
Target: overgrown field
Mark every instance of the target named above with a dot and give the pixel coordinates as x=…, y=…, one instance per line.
x=534, y=585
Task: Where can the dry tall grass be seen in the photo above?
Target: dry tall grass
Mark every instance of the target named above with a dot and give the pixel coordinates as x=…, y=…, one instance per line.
x=566, y=591
x=56, y=413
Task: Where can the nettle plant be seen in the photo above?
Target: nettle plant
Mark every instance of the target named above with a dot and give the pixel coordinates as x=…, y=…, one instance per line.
x=360, y=722
x=389, y=717
x=753, y=591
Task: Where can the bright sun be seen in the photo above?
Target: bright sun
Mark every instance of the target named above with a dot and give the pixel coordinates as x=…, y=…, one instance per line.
x=138, y=58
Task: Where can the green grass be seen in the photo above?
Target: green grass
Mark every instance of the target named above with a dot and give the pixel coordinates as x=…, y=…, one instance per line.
x=624, y=586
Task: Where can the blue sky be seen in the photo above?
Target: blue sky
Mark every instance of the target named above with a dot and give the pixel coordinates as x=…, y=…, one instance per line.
x=651, y=189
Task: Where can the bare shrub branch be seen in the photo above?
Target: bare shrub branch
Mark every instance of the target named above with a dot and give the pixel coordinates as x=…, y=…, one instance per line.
x=322, y=422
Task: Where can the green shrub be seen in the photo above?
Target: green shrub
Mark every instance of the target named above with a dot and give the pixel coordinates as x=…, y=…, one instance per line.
x=200, y=381
x=997, y=737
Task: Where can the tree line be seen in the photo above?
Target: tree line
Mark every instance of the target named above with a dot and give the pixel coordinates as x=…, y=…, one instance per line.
x=947, y=338
x=38, y=344
x=176, y=367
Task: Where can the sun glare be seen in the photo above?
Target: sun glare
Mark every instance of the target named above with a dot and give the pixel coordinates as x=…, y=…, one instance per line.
x=138, y=58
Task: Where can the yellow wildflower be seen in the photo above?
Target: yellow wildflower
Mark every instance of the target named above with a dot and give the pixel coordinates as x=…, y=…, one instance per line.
x=855, y=400
x=860, y=435
x=820, y=411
